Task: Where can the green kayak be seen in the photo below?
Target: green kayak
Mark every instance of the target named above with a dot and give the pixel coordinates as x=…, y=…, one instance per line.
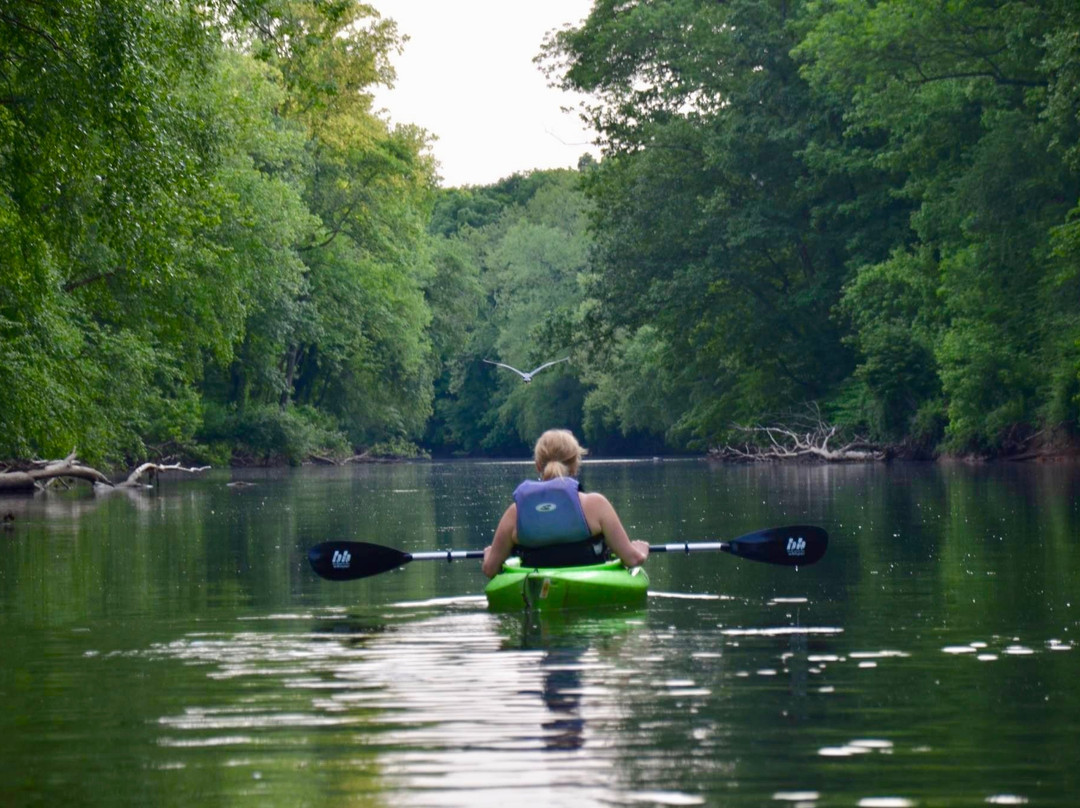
x=552, y=588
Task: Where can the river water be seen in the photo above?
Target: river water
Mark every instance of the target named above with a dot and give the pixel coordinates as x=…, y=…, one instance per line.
x=172, y=646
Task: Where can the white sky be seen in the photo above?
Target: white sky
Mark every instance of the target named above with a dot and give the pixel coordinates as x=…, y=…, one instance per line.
x=467, y=76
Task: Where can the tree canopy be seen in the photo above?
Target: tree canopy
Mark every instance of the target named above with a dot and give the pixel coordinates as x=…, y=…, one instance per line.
x=212, y=233
x=218, y=249
x=866, y=205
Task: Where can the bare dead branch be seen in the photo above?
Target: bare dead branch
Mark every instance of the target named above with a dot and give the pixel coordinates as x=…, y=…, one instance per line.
x=783, y=442
x=155, y=468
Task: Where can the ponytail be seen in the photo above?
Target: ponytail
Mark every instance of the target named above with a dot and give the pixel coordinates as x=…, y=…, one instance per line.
x=553, y=469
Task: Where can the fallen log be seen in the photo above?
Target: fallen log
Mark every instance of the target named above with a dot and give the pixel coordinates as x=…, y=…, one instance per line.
x=41, y=473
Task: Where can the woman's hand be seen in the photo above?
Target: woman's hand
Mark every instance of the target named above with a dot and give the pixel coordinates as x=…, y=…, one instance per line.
x=485, y=565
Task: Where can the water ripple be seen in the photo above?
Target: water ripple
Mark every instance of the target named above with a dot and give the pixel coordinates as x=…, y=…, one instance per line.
x=779, y=631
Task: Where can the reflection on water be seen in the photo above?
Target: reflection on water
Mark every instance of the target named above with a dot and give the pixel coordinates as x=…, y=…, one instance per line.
x=174, y=648
x=454, y=706
x=562, y=696
x=461, y=707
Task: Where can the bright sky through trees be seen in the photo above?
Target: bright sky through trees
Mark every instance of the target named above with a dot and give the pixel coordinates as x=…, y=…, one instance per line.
x=467, y=76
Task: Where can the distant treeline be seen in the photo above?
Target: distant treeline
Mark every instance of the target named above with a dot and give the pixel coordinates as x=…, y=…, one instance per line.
x=215, y=248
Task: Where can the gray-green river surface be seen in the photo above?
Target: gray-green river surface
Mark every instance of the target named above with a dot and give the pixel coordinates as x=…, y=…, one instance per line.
x=173, y=647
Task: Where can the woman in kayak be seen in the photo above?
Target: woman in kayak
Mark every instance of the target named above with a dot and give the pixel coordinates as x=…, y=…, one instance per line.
x=554, y=524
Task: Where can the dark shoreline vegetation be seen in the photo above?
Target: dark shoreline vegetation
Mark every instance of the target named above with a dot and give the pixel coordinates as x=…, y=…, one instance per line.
x=845, y=216
x=19, y=477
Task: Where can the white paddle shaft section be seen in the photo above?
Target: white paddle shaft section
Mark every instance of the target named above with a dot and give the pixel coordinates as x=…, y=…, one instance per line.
x=446, y=555
x=690, y=547
x=680, y=547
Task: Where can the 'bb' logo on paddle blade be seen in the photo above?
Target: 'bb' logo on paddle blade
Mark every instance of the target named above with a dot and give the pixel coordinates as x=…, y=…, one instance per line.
x=341, y=559
x=796, y=547
x=546, y=507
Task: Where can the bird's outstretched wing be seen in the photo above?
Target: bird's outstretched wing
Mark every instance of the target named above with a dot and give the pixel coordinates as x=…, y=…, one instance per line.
x=500, y=364
x=549, y=364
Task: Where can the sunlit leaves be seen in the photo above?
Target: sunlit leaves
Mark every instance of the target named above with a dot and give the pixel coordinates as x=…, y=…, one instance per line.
x=356, y=341
x=180, y=185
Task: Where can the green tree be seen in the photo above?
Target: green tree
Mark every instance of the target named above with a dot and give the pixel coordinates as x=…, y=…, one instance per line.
x=106, y=138
x=632, y=399
x=708, y=214
x=516, y=253
x=352, y=338
x=966, y=100
x=203, y=210
x=457, y=301
x=897, y=321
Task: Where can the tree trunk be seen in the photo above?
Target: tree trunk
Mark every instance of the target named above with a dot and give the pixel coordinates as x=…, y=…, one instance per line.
x=29, y=480
x=290, y=371
x=32, y=479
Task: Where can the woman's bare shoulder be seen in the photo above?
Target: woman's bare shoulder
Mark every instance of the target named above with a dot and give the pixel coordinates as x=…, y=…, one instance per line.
x=594, y=499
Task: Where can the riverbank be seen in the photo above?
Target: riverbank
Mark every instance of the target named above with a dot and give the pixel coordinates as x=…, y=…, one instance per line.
x=25, y=476
x=824, y=443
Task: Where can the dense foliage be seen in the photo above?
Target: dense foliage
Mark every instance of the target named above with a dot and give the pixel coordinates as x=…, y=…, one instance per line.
x=215, y=247
x=212, y=242
x=869, y=205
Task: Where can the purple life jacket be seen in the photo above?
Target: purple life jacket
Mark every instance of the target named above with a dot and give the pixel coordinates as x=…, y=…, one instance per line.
x=549, y=512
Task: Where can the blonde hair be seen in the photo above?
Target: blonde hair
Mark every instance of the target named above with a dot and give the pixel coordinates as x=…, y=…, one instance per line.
x=558, y=454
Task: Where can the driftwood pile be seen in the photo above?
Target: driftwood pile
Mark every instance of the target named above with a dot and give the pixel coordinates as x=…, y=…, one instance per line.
x=809, y=440
x=43, y=473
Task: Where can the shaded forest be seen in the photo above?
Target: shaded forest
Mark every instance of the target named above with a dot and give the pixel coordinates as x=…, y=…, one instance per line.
x=216, y=249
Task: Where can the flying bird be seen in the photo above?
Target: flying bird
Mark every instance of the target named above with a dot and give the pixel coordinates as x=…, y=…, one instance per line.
x=528, y=377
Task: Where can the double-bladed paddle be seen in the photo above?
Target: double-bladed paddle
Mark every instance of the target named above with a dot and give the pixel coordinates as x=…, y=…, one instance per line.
x=790, y=546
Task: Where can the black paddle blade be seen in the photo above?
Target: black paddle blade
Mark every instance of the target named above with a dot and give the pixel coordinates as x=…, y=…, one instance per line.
x=792, y=546
x=349, y=560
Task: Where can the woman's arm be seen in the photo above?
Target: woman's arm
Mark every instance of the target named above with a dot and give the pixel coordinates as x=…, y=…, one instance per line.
x=600, y=512
x=502, y=545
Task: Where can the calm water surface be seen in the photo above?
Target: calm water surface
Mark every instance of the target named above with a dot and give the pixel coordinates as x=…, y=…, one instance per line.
x=172, y=647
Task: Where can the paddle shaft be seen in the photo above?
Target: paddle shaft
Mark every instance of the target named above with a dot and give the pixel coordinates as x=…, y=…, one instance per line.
x=682, y=547
x=691, y=547
x=685, y=547
x=789, y=546
x=446, y=555
x=678, y=547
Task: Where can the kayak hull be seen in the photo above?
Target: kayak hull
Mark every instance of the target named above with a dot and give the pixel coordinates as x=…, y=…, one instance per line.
x=553, y=588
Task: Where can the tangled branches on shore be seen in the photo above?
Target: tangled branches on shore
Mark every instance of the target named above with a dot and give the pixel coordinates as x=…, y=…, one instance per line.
x=809, y=440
